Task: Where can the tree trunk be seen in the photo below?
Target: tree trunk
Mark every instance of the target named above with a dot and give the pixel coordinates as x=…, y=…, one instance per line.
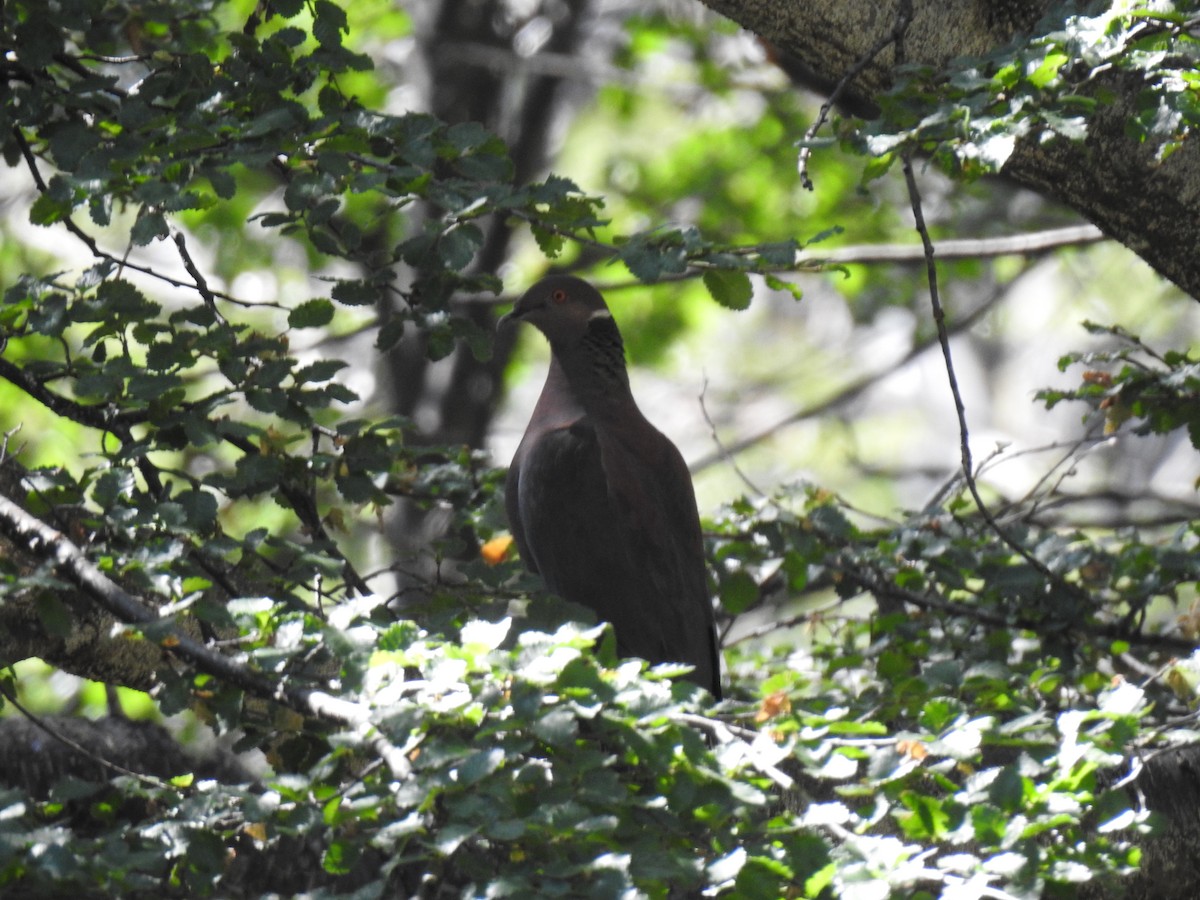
x=1110, y=177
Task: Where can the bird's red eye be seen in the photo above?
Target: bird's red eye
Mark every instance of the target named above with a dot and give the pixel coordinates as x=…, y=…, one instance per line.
x=559, y=296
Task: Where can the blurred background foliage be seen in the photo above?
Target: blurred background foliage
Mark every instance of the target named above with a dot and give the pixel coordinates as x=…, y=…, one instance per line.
x=919, y=703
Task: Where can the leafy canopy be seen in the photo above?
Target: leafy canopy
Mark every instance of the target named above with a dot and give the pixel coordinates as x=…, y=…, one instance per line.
x=970, y=735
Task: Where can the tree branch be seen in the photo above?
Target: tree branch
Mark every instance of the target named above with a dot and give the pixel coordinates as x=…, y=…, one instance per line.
x=845, y=395
x=40, y=539
x=895, y=36
x=1033, y=243
x=939, y=318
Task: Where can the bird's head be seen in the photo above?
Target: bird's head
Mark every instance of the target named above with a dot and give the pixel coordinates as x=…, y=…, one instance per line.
x=561, y=307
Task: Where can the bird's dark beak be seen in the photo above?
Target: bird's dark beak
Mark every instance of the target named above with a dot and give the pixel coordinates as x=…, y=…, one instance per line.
x=513, y=316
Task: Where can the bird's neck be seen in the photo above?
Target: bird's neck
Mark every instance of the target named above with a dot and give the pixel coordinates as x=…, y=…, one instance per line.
x=594, y=370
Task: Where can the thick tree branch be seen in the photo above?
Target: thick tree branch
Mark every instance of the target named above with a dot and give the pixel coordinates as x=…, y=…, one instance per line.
x=1032, y=243
x=40, y=539
x=1112, y=177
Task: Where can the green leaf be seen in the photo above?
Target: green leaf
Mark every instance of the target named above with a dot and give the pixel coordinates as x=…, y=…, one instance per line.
x=49, y=315
x=738, y=592
x=732, y=289
x=761, y=877
x=355, y=293
x=649, y=260
x=111, y=486
x=122, y=301
x=390, y=334
x=223, y=184
x=150, y=226
x=199, y=508
x=329, y=23
x=54, y=204
x=338, y=858
x=311, y=314
x=877, y=166
x=558, y=727
x=457, y=247
x=321, y=370
x=1047, y=72
x=1008, y=790
x=287, y=8
x=549, y=242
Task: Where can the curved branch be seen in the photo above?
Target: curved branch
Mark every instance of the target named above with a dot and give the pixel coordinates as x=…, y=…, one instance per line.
x=40, y=539
x=845, y=395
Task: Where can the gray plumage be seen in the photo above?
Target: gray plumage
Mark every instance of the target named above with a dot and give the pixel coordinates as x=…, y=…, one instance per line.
x=600, y=502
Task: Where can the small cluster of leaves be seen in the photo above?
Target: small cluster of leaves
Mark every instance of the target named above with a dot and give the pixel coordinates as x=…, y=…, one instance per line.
x=1161, y=392
x=1046, y=87
x=1080, y=592
x=174, y=369
x=726, y=273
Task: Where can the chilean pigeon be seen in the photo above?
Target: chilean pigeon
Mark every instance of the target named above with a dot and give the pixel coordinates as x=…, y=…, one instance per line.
x=599, y=501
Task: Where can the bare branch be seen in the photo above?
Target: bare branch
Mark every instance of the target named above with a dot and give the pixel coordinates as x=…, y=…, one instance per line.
x=846, y=394
x=1033, y=243
x=721, y=449
x=939, y=317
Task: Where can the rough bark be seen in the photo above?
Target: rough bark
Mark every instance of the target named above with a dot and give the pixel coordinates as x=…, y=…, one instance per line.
x=1111, y=178
x=62, y=626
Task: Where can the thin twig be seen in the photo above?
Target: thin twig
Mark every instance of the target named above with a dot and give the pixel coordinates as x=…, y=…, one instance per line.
x=1048, y=484
x=895, y=36
x=939, y=317
x=202, y=287
x=725, y=454
x=846, y=394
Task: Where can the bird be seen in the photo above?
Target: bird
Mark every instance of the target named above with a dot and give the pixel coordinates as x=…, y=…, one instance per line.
x=600, y=503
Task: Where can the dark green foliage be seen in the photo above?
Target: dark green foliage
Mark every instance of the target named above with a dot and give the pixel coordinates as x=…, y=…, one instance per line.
x=944, y=702
x=1048, y=86
x=1133, y=382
